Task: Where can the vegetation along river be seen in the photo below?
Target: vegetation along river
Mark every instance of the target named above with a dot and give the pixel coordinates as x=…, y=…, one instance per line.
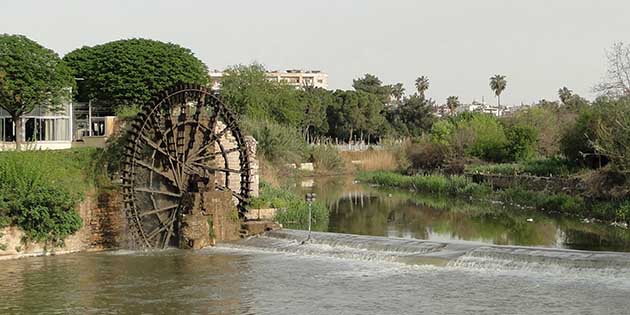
x=415, y=254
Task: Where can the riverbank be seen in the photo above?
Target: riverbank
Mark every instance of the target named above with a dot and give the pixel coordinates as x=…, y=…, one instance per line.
x=465, y=187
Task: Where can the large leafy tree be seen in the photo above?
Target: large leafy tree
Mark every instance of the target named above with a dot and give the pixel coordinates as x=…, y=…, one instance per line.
x=373, y=85
x=250, y=93
x=355, y=113
x=416, y=114
x=30, y=76
x=498, y=83
x=316, y=101
x=130, y=71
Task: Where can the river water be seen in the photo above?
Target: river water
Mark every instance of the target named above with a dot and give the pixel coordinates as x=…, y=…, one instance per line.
x=457, y=269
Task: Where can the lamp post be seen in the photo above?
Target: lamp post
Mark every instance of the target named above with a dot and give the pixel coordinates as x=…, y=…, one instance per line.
x=310, y=197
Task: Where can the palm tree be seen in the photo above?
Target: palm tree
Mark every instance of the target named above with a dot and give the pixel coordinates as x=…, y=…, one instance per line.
x=498, y=84
x=397, y=91
x=422, y=84
x=565, y=95
x=452, y=102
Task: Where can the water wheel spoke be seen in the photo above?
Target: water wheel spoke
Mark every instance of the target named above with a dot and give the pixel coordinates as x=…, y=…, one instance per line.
x=158, y=210
x=157, y=231
x=157, y=171
x=159, y=192
x=216, y=169
x=212, y=155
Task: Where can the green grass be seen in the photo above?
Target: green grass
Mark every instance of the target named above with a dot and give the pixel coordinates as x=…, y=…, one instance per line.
x=436, y=183
x=548, y=167
x=293, y=208
x=39, y=190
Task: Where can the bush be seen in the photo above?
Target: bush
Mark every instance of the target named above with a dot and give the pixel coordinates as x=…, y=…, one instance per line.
x=521, y=142
x=576, y=143
x=293, y=210
x=427, y=155
x=40, y=189
x=277, y=143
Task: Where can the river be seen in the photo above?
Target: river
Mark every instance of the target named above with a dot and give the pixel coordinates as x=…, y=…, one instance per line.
x=417, y=256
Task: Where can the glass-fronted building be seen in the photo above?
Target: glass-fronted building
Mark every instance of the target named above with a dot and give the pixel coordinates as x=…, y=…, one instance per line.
x=43, y=129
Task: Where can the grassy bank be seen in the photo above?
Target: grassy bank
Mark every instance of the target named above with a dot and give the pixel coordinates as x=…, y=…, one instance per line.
x=548, y=167
x=293, y=208
x=460, y=186
x=39, y=190
x=438, y=184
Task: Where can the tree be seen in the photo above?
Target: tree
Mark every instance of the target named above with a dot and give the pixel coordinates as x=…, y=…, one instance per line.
x=372, y=84
x=498, y=84
x=521, y=142
x=398, y=91
x=565, y=94
x=248, y=91
x=617, y=81
x=612, y=132
x=354, y=113
x=30, y=76
x=572, y=101
x=452, y=102
x=316, y=101
x=131, y=71
x=416, y=114
x=422, y=84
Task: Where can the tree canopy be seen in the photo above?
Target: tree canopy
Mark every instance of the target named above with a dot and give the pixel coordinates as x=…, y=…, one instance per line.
x=131, y=71
x=30, y=75
x=250, y=93
x=373, y=85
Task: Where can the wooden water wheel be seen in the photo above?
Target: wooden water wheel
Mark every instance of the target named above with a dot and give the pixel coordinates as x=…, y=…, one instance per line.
x=184, y=136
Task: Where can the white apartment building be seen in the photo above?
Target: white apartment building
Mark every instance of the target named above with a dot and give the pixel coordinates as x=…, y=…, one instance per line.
x=296, y=78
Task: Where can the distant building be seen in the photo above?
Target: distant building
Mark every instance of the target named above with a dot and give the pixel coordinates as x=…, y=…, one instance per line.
x=483, y=107
x=296, y=78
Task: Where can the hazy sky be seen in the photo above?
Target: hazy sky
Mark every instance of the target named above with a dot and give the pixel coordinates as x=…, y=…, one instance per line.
x=540, y=45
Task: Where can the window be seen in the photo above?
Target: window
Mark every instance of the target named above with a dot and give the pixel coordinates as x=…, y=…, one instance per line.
x=6, y=130
x=47, y=129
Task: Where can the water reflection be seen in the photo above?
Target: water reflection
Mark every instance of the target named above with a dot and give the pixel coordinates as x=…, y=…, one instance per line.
x=359, y=209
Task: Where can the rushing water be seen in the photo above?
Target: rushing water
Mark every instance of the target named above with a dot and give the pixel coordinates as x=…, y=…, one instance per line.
x=356, y=208
x=415, y=255
x=333, y=274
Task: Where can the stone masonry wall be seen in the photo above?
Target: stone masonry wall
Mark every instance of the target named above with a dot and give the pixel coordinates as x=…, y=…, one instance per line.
x=103, y=228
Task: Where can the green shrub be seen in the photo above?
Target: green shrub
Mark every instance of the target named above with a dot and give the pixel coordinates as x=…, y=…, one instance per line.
x=293, y=209
x=521, y=142
x=576, y=142
x=40, y=189
x=277, y=143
